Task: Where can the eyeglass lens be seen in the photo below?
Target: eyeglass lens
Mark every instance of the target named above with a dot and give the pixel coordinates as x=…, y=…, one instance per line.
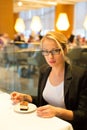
x=53, y=52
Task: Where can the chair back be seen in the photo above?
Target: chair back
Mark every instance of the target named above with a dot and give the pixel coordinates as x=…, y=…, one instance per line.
x=83, y=58
x=78, y=56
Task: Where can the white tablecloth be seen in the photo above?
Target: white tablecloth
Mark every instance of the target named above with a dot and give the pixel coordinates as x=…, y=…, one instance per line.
x=10, y=120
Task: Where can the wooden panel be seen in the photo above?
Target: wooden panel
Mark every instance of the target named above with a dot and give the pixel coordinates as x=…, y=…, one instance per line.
x=6, y=17
x=69, y=10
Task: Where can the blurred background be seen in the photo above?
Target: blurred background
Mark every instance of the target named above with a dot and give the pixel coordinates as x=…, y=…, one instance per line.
x=22, y=25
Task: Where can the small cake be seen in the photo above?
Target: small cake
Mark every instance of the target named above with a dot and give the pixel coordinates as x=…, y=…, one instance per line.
x=24, y=105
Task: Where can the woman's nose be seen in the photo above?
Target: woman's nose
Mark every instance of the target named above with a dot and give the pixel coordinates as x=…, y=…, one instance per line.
x=51, y=55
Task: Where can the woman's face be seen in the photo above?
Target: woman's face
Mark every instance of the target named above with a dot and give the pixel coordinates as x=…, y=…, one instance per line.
x=55, y=56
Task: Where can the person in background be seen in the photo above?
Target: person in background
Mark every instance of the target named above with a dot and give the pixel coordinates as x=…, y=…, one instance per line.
x=83, y=41
x=39, y=35
x=17, y=37
x=5, y=39
x=22, y=37
x=78, y=40
x=1, y=41
x=62, y=87
x=71, y=42
x=71, y=38
x=30, y=39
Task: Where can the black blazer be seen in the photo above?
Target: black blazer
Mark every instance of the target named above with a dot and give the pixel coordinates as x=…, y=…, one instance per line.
x=75, y=93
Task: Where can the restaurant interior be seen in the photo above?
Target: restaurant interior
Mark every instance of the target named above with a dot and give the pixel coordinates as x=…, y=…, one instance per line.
x=22, y=25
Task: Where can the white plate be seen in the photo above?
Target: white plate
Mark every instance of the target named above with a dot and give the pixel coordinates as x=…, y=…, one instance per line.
x=32, y=107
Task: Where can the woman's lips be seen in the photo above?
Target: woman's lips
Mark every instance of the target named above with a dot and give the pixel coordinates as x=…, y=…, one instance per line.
x=51, y=62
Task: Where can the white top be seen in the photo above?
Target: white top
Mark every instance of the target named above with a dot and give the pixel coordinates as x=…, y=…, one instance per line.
x=54, y=95
x=11, y=120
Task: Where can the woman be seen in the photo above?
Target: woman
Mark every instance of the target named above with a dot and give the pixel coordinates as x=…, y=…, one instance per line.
x=62, y=88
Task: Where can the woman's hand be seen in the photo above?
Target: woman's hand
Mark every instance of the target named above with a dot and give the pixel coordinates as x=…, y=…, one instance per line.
x=46, y=111
x=17, y=97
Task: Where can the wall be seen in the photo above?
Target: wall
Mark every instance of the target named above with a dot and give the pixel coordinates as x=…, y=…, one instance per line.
x=6, y=17
x=79, y=16
x=69, y=10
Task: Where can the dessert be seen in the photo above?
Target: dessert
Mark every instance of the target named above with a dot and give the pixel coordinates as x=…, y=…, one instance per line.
x=24, y=105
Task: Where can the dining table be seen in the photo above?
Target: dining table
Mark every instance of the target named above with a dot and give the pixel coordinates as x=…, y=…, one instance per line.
x=26, y=50
x=10, y=119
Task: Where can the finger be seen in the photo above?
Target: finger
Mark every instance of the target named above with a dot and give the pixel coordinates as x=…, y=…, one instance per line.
x=15, y=101
x=42, y=108
x=13, y=94
x=42, y=114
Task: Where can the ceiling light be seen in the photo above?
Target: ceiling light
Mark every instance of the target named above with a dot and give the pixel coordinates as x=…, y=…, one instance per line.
x=62, y=22
x=36, y=24
x=85, y=23
x=19, y=25
x=20, y=3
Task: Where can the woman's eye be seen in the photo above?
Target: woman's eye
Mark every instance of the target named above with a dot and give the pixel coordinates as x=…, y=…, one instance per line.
x=55, y=51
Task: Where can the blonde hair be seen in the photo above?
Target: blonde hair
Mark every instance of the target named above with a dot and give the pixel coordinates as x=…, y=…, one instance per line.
x=58, y=37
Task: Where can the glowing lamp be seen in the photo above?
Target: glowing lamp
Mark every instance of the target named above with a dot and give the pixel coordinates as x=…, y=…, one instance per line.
x=19, y=25
x=62, y=22
x=36, y=25
x=85, y=23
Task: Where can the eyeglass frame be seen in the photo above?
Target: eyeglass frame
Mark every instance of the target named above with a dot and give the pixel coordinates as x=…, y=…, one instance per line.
x=53, y=52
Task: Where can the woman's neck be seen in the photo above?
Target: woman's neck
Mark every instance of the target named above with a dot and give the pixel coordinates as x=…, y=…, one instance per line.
x=58, y=69
x=57, y=75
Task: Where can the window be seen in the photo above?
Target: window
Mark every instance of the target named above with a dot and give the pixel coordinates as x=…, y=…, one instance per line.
x=46, y=15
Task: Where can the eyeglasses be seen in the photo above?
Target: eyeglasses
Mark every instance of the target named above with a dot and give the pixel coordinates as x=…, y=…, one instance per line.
x=53, y=52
